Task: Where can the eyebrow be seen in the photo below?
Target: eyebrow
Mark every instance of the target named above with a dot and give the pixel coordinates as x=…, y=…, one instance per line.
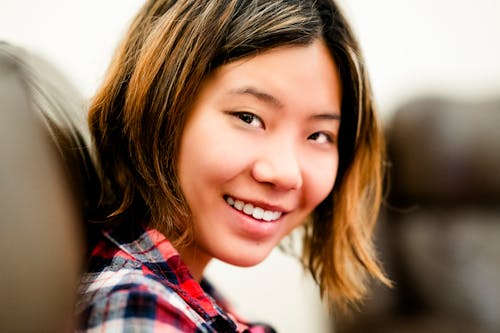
x=260, y=95
x=273, y=101
x=326, y=116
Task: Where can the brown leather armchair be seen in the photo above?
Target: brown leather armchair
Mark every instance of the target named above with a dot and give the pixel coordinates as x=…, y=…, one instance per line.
x=440, y=226
x=46, y=174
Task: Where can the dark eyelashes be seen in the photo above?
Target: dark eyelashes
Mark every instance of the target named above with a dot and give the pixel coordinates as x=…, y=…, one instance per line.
x=315, y=136
x=246, y=117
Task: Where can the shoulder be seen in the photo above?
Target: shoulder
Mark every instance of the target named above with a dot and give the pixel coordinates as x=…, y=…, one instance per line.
x=113, y=301
x=129, y=286
x=139, y=284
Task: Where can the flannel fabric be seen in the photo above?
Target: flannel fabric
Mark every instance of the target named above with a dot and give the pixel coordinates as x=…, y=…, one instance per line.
x=137, y=282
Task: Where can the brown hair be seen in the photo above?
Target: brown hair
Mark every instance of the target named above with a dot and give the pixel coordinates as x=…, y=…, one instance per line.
x=138, y=116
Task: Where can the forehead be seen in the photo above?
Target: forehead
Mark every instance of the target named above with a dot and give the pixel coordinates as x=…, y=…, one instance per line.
x=283, y=76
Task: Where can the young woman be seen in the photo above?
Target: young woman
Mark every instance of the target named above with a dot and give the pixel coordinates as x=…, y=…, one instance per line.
x=221, y=127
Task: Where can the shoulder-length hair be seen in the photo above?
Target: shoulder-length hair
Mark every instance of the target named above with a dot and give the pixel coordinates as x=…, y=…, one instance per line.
x=138, y=115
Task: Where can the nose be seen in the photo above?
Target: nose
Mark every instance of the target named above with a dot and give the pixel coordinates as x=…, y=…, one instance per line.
x=279, y=166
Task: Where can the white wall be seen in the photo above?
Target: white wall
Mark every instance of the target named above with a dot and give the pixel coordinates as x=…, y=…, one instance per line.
x=411, y=46
x=449, y=47
x=427, y=46
x=78, y=36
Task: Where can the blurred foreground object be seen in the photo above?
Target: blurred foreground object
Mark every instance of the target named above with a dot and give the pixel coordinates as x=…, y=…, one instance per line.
x=45, y=173
x=441, y=226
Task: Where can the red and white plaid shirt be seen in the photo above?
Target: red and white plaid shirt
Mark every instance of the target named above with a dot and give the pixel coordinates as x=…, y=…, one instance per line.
x=137, y=282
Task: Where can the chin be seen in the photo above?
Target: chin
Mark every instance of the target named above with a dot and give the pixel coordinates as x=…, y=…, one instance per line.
x=248, y=258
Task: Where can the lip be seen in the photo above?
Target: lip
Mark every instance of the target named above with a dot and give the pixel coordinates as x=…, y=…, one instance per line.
x=256, y=230
x=261, y=204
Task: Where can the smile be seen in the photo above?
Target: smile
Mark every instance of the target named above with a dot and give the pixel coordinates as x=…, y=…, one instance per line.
x=256, y=212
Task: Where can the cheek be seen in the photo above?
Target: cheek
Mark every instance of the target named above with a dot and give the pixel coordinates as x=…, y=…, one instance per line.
x=211, y=153
x=320, y=180
x=221, y=164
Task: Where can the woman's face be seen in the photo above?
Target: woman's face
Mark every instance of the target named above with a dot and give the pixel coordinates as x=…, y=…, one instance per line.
x=259, y=152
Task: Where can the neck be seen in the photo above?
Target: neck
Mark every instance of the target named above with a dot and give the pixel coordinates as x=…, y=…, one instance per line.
x=195, y=260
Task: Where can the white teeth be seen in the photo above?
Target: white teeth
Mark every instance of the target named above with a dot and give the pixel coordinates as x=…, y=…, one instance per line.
x=268, y=215
x=248, y=209
x=257, y=213
x=237, y=204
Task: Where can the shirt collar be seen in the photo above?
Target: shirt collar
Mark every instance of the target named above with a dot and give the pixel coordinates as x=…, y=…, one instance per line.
x=157, y=255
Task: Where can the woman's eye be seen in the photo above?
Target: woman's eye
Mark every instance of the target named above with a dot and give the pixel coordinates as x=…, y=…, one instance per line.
x=249, y=118
x=321, y=137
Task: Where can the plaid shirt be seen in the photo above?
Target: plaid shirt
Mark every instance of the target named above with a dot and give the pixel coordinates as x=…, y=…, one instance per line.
x=140, y=284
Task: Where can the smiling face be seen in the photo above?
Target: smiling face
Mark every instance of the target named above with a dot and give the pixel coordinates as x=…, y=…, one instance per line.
x=259, y=152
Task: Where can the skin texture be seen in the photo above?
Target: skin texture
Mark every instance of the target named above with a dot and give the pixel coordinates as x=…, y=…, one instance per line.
x=262, y=130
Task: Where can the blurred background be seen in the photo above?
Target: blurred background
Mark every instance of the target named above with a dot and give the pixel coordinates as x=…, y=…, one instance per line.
x=436, y=79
